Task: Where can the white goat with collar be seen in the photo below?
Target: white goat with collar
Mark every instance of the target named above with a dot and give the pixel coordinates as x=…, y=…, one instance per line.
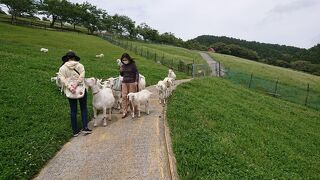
x=162, y=91
x=103, y=99
x=138, y=99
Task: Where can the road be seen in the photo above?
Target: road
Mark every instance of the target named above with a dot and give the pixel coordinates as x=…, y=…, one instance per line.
x=212, y=64
x=124, y=149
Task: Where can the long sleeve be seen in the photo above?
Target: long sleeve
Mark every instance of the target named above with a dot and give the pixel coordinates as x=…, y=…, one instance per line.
x=121, y=70
x=137, y=74
x=82, y=73
x=62, y=76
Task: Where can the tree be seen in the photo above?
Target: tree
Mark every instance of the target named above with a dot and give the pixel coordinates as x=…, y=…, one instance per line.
x=53, y=8
x=147, y=32
x=65, y=12
x=313, y=54
x=169, y=38
x=91, y=17
x=123, y=26
x=74, y=16
x=17, y=8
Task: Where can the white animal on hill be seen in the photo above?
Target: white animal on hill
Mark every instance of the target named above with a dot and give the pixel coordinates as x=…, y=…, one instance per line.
x=44, y=50
x=169, y=84
x=138, y=99
x=103, y=99
x=162, y=91
x=115, y=85
x=119, y=62
x=100, y=56
x=57, y=80
x=172, y=75
x=142, y=82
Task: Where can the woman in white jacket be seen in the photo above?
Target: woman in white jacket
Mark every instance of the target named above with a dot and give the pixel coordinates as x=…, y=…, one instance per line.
x=72, y=69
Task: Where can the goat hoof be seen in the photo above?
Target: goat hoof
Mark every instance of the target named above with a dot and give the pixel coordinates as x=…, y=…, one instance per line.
x=95, y=124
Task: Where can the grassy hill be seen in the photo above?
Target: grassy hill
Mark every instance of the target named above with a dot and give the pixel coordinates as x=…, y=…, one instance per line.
x=292, y=85
x=288, y=76
x=223, y=131
x=34, y=116
x=175, y=52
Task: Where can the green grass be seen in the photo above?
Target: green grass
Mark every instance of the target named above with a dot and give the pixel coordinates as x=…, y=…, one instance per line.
x=221, y=130
x=40, y=23
x=34, y=116
x=171, y=52
x=286, y=76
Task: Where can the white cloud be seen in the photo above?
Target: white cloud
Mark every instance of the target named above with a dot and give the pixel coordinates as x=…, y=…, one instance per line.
x=290, y=22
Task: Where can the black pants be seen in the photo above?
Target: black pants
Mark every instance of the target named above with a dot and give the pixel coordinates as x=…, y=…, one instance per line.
x=73, y=112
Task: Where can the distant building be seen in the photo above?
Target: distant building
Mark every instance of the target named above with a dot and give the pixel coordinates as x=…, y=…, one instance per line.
x=211, y=50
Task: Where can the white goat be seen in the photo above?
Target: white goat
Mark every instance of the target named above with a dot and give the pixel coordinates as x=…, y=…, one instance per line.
x=115, y=85
x=142, y=82
x=102, y=99
x=172, y=75
x=100, y=55
x=138, y=99
x=162, y=91
x=169, y=84
x=44, y=50
x=119, y=62
x=57, y=81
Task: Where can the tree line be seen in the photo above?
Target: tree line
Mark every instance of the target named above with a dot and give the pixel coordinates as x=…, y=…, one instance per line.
x=307, y=60
x=88, y=16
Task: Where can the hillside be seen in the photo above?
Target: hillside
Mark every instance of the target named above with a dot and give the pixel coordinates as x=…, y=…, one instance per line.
x=291, y=85
x=307, y=60
x=223, y=131
x=34, y=116
x=285, y=75
x=174, y=51
x=264, y=50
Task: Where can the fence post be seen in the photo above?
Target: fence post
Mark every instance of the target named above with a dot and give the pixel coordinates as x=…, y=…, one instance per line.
x=276, y=88
x=155, y=57
x=193, y=74
x=219, y=70
x=141, y=51
x=250, y=80
x=306, y=101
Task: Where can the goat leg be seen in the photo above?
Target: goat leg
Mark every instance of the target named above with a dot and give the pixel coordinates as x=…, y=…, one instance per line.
x=95, y=117
x=110, y=112
x=104, y=116
x=138, y=109
x=132, y=109
x=147, y=108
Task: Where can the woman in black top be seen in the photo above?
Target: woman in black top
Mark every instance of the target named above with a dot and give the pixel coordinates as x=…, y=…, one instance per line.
x=130, y=81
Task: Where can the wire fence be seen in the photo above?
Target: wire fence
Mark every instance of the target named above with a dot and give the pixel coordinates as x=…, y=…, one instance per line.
x=40, y=24
x=192, y=69
x=304, y=95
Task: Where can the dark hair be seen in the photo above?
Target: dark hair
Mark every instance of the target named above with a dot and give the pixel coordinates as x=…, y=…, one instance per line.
x=127, y=56
x=69, y=55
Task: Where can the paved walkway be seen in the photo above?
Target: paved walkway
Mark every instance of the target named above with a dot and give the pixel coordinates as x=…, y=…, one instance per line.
x=213, y=64
x=124, y=149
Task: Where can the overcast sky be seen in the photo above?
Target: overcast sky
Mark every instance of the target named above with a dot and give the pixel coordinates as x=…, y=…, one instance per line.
x=289, y=22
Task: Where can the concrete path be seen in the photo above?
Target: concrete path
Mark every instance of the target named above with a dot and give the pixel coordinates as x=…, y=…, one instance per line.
x=213, y=64
x=124, y=149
